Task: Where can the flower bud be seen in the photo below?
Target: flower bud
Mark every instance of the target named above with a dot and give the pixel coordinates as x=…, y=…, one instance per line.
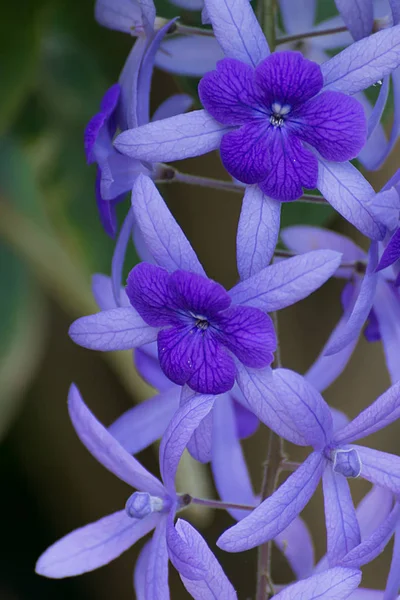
x=141, y=504
x=347, y=462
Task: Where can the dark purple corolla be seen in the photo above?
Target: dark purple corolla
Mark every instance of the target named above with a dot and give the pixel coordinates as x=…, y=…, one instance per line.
x=203, y=332
x=296, y=411
x=279, y=112
x=153, y=506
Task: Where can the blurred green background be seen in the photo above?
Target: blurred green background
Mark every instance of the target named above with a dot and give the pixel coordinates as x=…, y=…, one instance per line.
x=55, y=65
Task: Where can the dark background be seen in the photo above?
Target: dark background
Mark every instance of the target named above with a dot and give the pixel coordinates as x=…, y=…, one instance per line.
x=55, y=65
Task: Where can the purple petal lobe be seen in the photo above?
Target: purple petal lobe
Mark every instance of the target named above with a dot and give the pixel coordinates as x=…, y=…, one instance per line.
x=391, y=253
x=340, y=516
x=162, y=235
x=373, y=510
x=200, y=444
x=122, y=15
x=289, y=78
x=375, y=543
x=174, y=105
x=380, y=414
x=246, y=421
x=380, y=468
x=182, y=136
x=115, y=329
x=291, y=166
x=295, y=542
x=300, y=20
x=387, y=310
x=157, y=564
x=106, y=450
x=103, y=293
x=358, y=16
x=139, y=578
x=148, y=292
x=276, y=512
x=148, y=365
x=286, y=282
x=364, y=63
x=332, y=123
x=334, y=584
x=231, y=475
x=93, y=128
x=189, y=55
x=237, y=30
x=229, y=93
x=249, y=334
x=178, y=433
x=245, y=153
x=142, y=425
x=198, y=294
x=393, y=582
x=94, y=545
x=258, y=231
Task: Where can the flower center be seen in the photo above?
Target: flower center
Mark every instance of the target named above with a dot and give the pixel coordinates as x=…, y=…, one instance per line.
x=200, y=321
x=346, y=462
x=279, y=112
x=141, y=504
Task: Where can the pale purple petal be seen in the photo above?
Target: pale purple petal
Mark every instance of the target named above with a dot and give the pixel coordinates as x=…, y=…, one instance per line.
x=342, y=527
x=148, y=365
x=374, y=544
x=295, y=543
x=202, y=576
x=200, y=444
x=361, y=309
x=395, y=130
x=257, y=233
x=103, y=293
x=174, y=105
x=298, y=15
x=347, y=190
x=375, y=116
x=387, y=310
x=276, y=512
x=178, y=433
x=378, y=415
x=246, y=421
x=231, y=476
x=373, y=510
x=192, y=55
x=157, y=564
x=394, y=5
x=139, y=576
x=335, y=584
x=114, y=329
x=257, y=386
x=127, y=110
x=380, y=468
x=94, y=545
x=393, y=582
x=340, y=39
x=358, y=16
x=237, y=30
x=391, y=252
x=106, y=450
x=118, y=259
x=370, y=155
x=122, y=15
x=142, y=425
x=182, y=136
x=286, y=282
x=363, y=63
x=189, y=4
x=332, y=123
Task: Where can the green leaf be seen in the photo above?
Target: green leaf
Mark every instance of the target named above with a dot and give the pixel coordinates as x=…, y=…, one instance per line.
x=301, y=213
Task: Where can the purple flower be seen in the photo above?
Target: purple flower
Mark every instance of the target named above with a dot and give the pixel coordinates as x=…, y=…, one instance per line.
x=301, y=416
x=368, y=295
x=337, y=583
x=353, y=70
x=276, y=108
x=153, y=506
x=199, y=326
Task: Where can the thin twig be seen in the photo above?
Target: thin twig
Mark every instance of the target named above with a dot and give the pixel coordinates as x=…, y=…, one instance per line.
x=309, y=34
x=221, y=505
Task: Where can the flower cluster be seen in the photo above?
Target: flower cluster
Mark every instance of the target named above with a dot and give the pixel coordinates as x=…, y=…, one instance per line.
x=286, y=121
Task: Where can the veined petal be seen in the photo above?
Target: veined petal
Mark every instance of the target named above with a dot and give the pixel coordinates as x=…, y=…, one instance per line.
x=149, y=293
x=94, y=545
x=230, y=472
x=115, y=329
x=380, y=468
x=122, y=15
x=237, y=30
x=258, y=231
x=182, y=136
x=358, y=16
x=200, y=444
x=118, y=259
x=387, y=310
x=142, y=425
x=207, y=581
x=107, y=450
x=295, y=543
x=298, y=17
x=245, y=153
x=192, y=292
x=351, y=195
x=148, y=366
x=161, y=233
x=342, y=526
x=334, y=584
x=382, y=412
x=178, y=433
x=192, y=55
x=393, y=582
x=157, y=564
x=333, y=123
x=103, y=293
x=174, y=105
x=373, y=545
x=276, y=512
x=139, y=576
x=364, y=63
x=286, y=282
x=391, y=252
x=373, y=510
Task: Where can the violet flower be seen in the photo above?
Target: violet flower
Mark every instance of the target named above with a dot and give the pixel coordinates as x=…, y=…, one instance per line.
x=301, y=416
x=244, y=44
x=199, y=326
x=152, y=507
x=368, y=296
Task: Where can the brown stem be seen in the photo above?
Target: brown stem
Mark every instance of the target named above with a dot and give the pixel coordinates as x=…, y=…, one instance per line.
x=309, y=34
